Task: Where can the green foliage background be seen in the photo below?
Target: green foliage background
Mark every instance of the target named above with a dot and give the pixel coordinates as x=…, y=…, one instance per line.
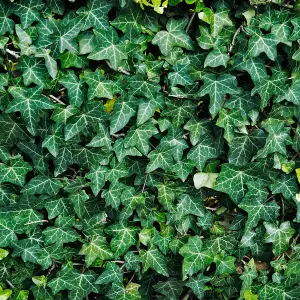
x=109, y=109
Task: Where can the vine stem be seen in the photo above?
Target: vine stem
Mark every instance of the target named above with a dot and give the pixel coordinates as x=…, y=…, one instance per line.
x=187, y=295
x=234, y=38
x=190, y=22
x=145, y=182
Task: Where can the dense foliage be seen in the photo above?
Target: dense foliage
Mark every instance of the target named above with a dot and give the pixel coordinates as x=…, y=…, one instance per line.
x=149, y=150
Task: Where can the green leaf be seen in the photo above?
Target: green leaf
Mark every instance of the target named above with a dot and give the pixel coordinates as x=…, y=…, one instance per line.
x=6, y=24
x=259, y=209
x=153, y=259
x=108, y=47
x=63, y=37
x=112, y=274
x=124, y=109
x=260, y=43
x=28, y=11
x=98, y=86
x=14, y=171
x=77, y=283
x=139, y=137
x=42, y=184
x=178, y=110
x=78, y=200
x=29, y=102
x=140, y=86
x=95, y=14
x=195, y=258
x=33, y=70
x=197, y=284
x=189, y=205
x=279, y=236
x=220, y=19
x=217, y=87
x=232, y=179
x=96, y=248
x=286, y=185
x=123, y=238
x=76, y=90
x=62, y=232
x=217, y=57
x=244, y=146
x=171, y=288
x=175, y=36
x=203, y=151
x=160, y=158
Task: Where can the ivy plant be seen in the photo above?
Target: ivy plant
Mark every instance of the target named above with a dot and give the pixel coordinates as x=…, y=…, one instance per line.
x=149, y=149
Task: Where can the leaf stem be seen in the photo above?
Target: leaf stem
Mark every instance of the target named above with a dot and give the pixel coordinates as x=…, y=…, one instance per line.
x=13, y=53
x=38, y=221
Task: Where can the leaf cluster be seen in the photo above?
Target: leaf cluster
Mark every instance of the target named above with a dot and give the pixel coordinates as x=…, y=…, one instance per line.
x=149, y=150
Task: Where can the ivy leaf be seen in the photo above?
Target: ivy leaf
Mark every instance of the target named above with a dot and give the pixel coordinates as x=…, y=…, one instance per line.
x=255, y=67
x=29, y=102
x=189, y=205
x=96, y=248
x=108, y=47
x=33, y=70
x=42, y=184
x=99, y=86
x=220, y=19
x=79, y=284
x=28, y=11
x=279, y=236
x=140, y=86
x=259, y=209
x=277, y=140
x=124, y=109
x=269, y=87
x=153, y=259
x=139, y=137
x=232, y=179
x=180, y=76
x=58, y=207
x=112, y=274
x=197, y=284
x=61, y=232
x=178, y=110
x=123, y=237
x=63, y=37
x=94, y=15
x=6, y=24
x=217, y=87
x=14, y=171
x=175, y=36
x=217, y=57
x=229, y=120
x=171, y=288
x=160, y=158
x=273, y=290
x=147, y=109
x=112, y=195
x=286, y=185
x=259, y=43
x=195, y=258
x=78, y=202
x=204, y=150
x=130, y=292
x=244, y=146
